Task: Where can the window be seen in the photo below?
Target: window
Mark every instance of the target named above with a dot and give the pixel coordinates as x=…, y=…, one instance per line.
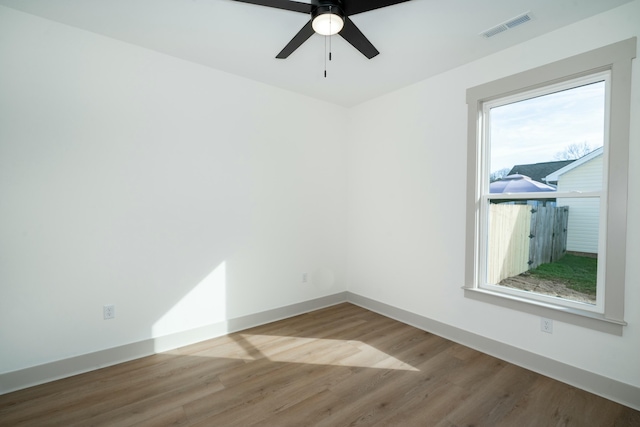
x=542, y=223
x=550, y=238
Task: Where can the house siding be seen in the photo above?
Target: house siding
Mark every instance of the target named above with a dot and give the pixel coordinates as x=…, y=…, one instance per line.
x=584, y=214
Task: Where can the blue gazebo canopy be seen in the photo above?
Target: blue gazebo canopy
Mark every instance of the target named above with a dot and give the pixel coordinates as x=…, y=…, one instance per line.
x=517, y=183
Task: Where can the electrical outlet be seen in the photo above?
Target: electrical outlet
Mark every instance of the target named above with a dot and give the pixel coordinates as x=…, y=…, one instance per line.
x=109, y=311
x=305, y=278
x=546, y=325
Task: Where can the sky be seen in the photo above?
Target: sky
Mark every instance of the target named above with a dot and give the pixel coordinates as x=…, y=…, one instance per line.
x=535, y=130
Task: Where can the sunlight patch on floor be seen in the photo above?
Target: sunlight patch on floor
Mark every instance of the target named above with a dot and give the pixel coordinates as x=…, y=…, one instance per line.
x=314, y=351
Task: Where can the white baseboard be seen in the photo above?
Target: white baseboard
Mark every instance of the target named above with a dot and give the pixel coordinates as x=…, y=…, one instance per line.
x=608, y=388
x=35, y=375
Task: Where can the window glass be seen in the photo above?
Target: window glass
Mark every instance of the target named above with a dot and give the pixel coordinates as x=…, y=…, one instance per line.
x=529, y=249
x=537, y=136
x=553, y=144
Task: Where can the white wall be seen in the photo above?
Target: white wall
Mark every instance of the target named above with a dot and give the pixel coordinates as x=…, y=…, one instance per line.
x=183, y=195
x=407, y=161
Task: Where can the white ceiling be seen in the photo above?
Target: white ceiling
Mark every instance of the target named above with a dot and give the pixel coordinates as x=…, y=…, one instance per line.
x=416, y=39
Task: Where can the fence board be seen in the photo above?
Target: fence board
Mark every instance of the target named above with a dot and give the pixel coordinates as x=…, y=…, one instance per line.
x=522, y=237
x=508, y=241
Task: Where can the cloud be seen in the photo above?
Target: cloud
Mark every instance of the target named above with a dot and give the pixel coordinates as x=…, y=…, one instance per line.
x=534, y=130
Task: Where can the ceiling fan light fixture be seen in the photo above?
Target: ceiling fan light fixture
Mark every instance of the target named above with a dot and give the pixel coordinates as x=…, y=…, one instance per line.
x=327, y=19
x=327, y=24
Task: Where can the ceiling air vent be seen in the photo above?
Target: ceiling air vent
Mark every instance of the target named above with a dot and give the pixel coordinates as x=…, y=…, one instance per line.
x=507, y=25
x=518, y=20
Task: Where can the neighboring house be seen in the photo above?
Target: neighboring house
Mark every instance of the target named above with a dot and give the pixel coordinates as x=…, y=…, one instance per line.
x=539, y=171
x=584, y=174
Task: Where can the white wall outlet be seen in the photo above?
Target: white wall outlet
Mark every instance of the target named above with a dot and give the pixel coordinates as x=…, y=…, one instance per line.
x=546, y=325
x=109, y=311
x=305, y=277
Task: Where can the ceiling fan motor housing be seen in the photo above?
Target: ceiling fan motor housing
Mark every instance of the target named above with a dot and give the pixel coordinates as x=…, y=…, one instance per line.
x=327, y=6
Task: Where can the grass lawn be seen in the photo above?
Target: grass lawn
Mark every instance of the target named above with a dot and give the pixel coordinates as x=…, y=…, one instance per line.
x=577, y=272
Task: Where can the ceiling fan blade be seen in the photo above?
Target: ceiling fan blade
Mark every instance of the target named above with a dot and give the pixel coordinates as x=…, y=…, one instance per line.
x=351, y=7
x=282, y=4
x=353, y=35
x=296, y=41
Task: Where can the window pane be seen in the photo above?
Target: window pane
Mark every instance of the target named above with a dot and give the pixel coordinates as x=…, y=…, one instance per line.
x=533, y=139
x=546, y=247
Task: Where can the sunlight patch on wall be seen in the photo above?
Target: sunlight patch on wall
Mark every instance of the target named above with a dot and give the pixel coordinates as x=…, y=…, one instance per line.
x=204, y=305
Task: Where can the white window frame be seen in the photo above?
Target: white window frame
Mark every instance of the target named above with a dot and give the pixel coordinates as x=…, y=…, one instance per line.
x=613, y=60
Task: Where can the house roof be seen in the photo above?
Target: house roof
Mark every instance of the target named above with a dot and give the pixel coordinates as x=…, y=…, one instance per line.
x=554, y=176
x=540, y=171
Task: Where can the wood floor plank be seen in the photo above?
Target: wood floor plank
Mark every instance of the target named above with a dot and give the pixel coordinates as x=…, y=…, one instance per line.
x=545, y=399
x=144, y=408
x=251, y=384
x=338, y=366
x=306, y=413
x=281, y=399
x=172, y=417
x=426, y=405
x=500, y=393
x=92, y=405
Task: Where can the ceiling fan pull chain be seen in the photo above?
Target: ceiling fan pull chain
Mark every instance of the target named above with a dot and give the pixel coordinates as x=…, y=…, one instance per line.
x=325, y=57
x=330, y=48
x=330, y=26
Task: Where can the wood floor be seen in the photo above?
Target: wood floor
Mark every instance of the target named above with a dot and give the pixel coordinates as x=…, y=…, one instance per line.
x=340, y=366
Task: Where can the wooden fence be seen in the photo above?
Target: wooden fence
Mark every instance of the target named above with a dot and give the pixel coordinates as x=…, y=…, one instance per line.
x=522, y=237
x=548, y=234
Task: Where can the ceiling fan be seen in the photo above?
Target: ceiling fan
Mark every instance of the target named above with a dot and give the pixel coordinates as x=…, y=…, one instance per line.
x=329, y=17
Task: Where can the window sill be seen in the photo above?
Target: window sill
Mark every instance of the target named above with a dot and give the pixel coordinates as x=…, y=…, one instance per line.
x=573, y=316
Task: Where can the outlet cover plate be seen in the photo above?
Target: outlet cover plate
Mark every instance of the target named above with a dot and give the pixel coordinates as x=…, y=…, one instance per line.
x=109, y=311
x=546, y=325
